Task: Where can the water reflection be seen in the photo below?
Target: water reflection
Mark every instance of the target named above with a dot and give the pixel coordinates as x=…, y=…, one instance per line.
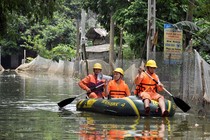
x=28, y=106
x=28, y=110
x=111, y=128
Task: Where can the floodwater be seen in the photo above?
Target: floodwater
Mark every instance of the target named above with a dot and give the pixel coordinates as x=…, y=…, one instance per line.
x=28, y=110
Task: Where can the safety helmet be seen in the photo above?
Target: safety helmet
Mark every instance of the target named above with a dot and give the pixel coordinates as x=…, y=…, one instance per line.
x=151, y=63
x=119, y=70
x=97, y=66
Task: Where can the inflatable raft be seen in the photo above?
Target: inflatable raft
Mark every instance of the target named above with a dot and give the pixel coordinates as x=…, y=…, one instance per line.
x=128, y=106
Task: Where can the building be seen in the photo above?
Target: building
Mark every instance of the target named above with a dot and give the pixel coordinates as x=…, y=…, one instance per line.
x=98, y=52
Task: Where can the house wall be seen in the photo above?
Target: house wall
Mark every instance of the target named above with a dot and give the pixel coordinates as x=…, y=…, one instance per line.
x=14, y=61
x=98, y=55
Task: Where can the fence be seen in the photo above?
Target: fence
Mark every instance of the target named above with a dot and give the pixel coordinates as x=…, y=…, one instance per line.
x=188, y=79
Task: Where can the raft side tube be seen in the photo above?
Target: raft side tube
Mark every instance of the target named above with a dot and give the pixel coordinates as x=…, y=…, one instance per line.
x=128, y=106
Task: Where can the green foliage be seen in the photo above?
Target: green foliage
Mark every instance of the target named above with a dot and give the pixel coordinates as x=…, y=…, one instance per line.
x=10, y=41
x=36, y=44
x=202, y=9
x=127, y=53
x=200, y=31
x=71, y=8
x=37, y=29
x=8, y=47
x=58, y=33
x=205, y=56
x=132, y=17
x=34, y=10
x=27, y=24
x=63, y=52
x=29, y=59
x=54, y=32
x=171, y=11
x=60, y=30
x=201, y=40
x=186, y=25
x=60, y=52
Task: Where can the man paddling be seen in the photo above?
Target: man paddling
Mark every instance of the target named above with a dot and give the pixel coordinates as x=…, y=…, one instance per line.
x=147, y=88
x=91, y=81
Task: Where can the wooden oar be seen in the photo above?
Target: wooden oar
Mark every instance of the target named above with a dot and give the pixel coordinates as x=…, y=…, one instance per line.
x=69, y=100
x=179, y=102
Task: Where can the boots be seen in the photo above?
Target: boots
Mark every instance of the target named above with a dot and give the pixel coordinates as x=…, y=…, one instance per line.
x=147, y=111
x=165, y=113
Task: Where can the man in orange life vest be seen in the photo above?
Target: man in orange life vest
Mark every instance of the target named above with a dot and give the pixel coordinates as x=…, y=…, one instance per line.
x=91, y=81
x=147, y=88
x=117, y=88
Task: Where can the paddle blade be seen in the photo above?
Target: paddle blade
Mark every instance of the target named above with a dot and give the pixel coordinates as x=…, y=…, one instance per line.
x=181, y=104
x=65, y=102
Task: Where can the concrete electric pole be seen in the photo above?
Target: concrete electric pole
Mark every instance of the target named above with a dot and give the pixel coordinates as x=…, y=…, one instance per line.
x=83, y=39
x=151, y=26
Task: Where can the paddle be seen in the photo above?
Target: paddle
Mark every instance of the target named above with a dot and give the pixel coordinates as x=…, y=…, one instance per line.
x=69, y=100
x=179, y=102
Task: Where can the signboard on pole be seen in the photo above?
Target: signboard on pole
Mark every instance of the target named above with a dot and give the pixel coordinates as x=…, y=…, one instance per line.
x=173, y=45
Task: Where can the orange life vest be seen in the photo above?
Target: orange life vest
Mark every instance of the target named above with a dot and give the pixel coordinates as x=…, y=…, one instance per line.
x=147, y=84
x=91, y=81
x=118, y=90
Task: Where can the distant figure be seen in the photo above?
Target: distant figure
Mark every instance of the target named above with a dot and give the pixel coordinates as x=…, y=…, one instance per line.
x=91, y=81
x=117, y=88
x=147, y=88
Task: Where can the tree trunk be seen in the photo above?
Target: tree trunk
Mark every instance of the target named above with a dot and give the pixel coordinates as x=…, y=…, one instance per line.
x=120, y=57
x=189, y=18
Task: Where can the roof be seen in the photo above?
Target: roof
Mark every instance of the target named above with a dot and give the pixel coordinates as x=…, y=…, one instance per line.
x=98, y=48
x=96, y=33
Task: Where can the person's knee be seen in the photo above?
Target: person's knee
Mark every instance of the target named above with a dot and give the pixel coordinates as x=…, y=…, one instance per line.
x=146, y=100
x=145, y=95
x=161, y=99
x=93, y=95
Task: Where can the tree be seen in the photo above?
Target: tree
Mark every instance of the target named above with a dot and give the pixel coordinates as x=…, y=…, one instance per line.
x=45, y=36
x=132, y=17
x=41, y=32
x=55, y=38
x=201, y=8
x=35, y=10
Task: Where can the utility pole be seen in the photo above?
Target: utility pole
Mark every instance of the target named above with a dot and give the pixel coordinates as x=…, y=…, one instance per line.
x=151, y=26
x=83, y=39
x=111, y=48
x=78, y=38
x=0, y=55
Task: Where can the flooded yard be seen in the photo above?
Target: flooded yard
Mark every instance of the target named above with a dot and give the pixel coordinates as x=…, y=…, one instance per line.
x=28, y=110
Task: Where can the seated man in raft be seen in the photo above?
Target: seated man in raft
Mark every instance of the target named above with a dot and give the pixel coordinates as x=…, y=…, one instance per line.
x=146, y=88
x=117, y=88
x=90, y=82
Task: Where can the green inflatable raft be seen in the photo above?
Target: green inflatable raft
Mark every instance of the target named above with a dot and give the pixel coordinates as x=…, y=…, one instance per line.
x=128, y=106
